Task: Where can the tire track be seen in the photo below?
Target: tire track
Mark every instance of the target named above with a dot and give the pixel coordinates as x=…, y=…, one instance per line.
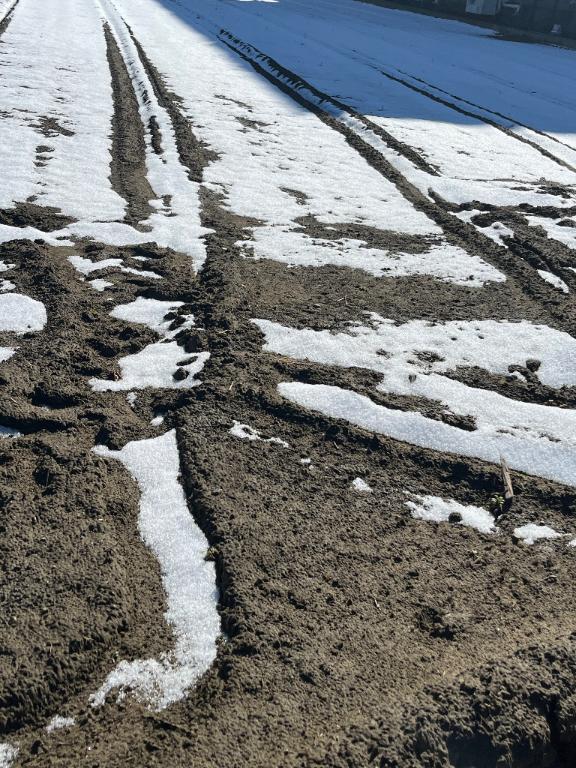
x=128, y=173
x=360, y=136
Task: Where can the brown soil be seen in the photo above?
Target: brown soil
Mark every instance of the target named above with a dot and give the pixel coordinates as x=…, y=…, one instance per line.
x=354, y=635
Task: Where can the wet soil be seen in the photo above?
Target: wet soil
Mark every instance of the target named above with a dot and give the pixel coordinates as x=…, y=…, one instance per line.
x=355, y=635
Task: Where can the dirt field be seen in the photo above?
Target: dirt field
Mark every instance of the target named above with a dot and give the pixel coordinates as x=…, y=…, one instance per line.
x=347, y=305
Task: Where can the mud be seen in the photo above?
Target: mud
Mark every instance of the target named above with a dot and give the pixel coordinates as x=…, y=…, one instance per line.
x=355, y=635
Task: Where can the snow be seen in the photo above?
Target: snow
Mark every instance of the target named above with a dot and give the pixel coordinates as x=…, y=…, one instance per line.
x=8, y=754
x=546, y=458
x=6, y=353
x=438, y=510
x=361, y=485
x=8, y=432
x=246, y=432
x=156, y=364
x=442, y=261
x=554, y=280
x=555, y=230
x=157, y=420
x=530, y=533
x=258, y=170
x=20, y=314
x=59, y=722
x=86, y=266
x=100, y=285
x=169, y=530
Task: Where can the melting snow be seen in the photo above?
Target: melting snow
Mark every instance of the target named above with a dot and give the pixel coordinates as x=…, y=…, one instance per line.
x=246, y=432
x=438, y=510
x=169, y=530
x=554, y=280
x=531, y=533
x=361, y=485
x=59, y=722
x=156, y=364
x=100, y=285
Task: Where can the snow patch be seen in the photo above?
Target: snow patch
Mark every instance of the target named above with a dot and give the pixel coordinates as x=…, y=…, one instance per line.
x=361, y=485
x=169, y=530
x=530, y=533
x=21, y=314
x=554, y=280
x=59, y=722
x=438, y=510
x=8, y=754
x=246, y=432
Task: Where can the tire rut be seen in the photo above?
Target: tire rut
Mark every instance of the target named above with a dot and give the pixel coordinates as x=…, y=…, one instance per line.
x=128, y=173
x=561, y=312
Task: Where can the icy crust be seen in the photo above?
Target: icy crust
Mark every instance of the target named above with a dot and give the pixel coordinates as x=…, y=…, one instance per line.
x=20, y=314
x=168, y=529
x=156, y=364
x=552, y=460
x=437, y=510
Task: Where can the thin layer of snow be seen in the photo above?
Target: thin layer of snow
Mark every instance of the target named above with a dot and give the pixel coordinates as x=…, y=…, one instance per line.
x=552, y=460
x=442, y=261
x=555, y=230
x=361, y=485
x=58, y=722
x=6, y=285
x=554, y=280
x=149, y=312
x=8, y=754
x=246, y=432
x=530, y=533
x=176, y=221
x=169, y=530
x=21, y=314
x=438, y=510
x=289, y=165
x=157, y=420
x=414, y=359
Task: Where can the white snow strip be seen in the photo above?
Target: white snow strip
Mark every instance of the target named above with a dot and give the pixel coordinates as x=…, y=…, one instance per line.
x=553, y=460
x=246, y=432
x=438, y=510
x=5, y=267
x=554, y=280
x=361, y=485
x=530, y=533
x=21, y=314
x=168, y=529
x=555, y=230
x=413, y=359
x=444, y=262
x=58, y=722
x=149, y=312
x=8, y=754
